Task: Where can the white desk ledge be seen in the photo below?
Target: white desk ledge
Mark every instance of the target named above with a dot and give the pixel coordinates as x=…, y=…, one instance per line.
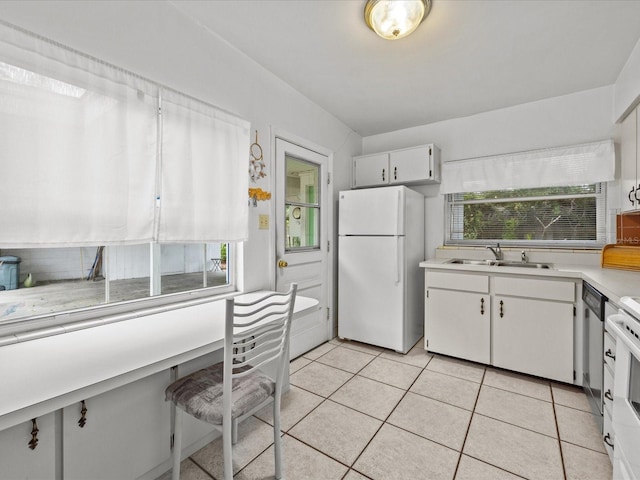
x=45, y=374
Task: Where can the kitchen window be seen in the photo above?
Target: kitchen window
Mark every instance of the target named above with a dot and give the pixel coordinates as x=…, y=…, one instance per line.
x=64, y=279
x=569, y=216
x=114, y=178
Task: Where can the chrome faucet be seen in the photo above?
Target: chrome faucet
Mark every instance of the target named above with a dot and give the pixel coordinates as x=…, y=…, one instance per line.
x=497, y=252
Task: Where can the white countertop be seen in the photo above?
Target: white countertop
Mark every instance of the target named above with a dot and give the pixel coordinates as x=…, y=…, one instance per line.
x=612, y=283
x=45, y=374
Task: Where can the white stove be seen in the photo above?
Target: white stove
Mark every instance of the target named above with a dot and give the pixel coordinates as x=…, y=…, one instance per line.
x=625, y=325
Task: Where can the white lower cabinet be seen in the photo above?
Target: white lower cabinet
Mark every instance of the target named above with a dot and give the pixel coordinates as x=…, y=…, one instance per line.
x=534, y=337
x=17, y=460
x=127, y=432
x=520, y=323
x=458, y=321
x=459, y=324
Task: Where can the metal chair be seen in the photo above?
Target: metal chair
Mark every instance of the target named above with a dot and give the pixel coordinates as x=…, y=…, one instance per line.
x=256, y=333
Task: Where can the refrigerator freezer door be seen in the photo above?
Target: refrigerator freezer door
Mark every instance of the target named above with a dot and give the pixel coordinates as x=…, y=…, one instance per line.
x=371, y=281
x=372, y=211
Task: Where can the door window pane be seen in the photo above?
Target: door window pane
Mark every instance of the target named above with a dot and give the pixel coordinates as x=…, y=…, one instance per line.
x=302, y=205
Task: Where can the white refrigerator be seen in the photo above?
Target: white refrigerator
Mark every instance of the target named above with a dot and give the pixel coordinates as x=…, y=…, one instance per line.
x=380, y=284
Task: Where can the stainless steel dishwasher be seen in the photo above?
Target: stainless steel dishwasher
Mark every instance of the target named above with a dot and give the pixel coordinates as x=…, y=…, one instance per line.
x=593, y=364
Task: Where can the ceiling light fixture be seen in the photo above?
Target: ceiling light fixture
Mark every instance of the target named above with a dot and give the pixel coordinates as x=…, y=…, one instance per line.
x=394, y=19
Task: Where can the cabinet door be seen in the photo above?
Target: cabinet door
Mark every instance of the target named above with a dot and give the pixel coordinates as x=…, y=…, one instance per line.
x=458, y=324
x=629, y=154
x=637, y=193
x=371, y=170
x=534, y=337
x=17, y=460
x=127, y=432
x=411, y=165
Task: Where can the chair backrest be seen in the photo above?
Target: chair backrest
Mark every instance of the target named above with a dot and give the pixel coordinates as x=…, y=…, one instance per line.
x=257, y=332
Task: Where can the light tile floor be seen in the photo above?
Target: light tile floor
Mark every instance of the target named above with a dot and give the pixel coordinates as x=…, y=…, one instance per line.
x=359, y=412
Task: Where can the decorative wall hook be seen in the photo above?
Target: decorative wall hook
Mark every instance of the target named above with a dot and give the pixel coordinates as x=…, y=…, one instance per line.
x=83, y=418
x=33, y=443
x=256, y=162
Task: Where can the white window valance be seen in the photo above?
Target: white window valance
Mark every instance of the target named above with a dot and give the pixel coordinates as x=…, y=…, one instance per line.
x=87, y=158
x=563, y=166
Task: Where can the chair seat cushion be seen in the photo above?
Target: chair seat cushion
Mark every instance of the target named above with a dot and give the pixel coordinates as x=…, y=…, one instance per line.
x=200, y=393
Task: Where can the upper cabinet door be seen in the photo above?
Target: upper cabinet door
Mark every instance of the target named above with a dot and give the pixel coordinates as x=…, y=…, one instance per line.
x=371, y=170
x=629, y=155
x=415, y=165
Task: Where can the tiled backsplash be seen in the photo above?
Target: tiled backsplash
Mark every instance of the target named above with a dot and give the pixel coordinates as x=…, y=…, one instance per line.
x=628, y=229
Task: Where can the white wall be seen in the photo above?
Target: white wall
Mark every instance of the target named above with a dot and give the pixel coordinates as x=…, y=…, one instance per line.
x=153, y=39
x=571, y=119
x=627, y=87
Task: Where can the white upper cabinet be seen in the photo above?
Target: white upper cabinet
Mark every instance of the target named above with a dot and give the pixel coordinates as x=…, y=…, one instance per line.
x=371, y=170
x=630, y=180
x=415, y=165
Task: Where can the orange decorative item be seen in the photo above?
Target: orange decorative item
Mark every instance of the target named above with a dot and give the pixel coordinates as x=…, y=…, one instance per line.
x=624, y=257
x=256, y=194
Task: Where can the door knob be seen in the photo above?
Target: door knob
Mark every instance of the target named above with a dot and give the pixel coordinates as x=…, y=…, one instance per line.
x=282, y=264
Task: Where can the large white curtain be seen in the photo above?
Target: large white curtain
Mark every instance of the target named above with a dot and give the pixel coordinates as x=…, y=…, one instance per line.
x=564, y=166
x=81, y=161
x=78, y=148
x=203, y=192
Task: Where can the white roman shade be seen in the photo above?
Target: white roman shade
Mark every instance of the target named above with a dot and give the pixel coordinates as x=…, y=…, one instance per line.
x=78, y=155
x=564, y=166
x=86, y=158
x=203, y=193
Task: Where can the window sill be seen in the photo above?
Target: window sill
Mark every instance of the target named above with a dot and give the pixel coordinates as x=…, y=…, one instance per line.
x=29, y=328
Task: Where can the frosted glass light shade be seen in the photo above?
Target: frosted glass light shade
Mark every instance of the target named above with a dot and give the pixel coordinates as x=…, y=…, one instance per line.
x=394, y=19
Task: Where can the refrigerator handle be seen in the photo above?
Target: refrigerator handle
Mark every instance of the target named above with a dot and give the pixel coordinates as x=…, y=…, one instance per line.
x=399, y=214
x=397, y=259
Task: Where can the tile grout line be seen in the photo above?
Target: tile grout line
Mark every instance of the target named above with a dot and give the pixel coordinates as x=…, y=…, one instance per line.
x=555, y=418
x=200, y=467
x=467, y=434
x=473, y=411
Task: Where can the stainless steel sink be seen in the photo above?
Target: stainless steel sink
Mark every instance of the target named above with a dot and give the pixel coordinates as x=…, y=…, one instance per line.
x=498, y=263
x=463, y=261
x=522, y=264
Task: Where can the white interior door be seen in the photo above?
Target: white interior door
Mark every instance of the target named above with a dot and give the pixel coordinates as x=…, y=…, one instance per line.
x=302, y=233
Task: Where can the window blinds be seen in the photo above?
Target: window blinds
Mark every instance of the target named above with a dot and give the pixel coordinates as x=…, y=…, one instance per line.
x=565, y=166
x=81, y=161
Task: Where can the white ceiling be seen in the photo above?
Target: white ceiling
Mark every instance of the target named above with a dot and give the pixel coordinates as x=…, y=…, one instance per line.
x=468, y=56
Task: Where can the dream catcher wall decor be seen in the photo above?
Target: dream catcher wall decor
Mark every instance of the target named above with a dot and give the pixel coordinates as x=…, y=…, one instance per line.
x=256, y=162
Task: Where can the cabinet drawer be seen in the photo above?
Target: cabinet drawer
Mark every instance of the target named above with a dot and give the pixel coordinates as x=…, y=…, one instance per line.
x=610, y=351
x=457, y=281
x=607, y=390
x=608, y=436
x=535, y=288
